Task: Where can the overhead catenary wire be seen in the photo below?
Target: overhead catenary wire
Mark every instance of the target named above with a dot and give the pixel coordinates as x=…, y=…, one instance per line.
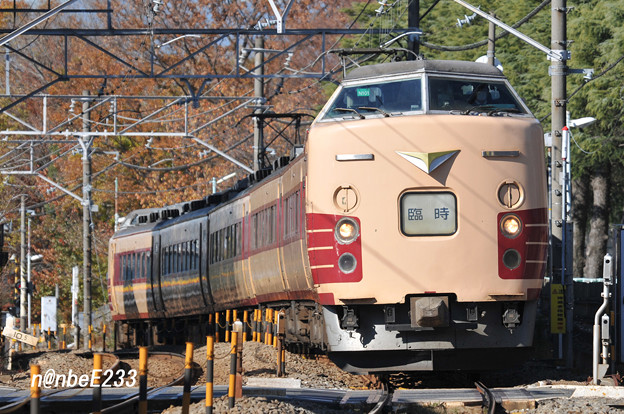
x=484, y=42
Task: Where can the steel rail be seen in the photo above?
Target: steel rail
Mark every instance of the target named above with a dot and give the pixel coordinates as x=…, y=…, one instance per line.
x=489, y=401
x=13, y=407
x=386, y=398
x=151, y=391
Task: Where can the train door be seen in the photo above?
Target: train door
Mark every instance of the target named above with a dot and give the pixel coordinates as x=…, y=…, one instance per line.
x=246, y=244
x=159, y=304
x=204, y=264
x=280, y=238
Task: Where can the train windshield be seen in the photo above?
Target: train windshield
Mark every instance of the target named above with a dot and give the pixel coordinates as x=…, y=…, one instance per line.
x=467, y=96
x=382, y=98
x=461, y=96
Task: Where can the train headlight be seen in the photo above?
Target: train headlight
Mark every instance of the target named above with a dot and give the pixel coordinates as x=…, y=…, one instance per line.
x=347, y=230
x=347, y=263
x=511, y=226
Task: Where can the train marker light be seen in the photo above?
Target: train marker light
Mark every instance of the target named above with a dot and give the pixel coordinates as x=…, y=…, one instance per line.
x=511, y=259
x=346, y=230
x=347, y=263
x=511, y=226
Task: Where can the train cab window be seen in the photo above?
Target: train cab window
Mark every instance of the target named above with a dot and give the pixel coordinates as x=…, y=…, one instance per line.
x=387, y=98
x=468, y=95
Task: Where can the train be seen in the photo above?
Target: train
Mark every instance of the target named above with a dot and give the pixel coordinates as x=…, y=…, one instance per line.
x=408, y=233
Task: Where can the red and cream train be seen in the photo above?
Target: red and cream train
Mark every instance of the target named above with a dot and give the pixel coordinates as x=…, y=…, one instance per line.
x=410, y=233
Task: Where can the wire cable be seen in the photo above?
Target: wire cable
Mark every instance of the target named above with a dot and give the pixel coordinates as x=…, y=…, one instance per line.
x=484, y=42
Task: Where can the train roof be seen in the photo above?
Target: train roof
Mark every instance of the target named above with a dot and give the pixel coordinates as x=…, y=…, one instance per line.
x=437, y=66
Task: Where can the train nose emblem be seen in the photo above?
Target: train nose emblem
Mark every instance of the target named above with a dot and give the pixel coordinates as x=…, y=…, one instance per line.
x=427, y=161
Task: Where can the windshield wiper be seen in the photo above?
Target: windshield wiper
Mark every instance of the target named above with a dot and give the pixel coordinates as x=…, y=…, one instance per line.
x=505, y=110
x=372, y=108
x=350, y=110
x=479, y=108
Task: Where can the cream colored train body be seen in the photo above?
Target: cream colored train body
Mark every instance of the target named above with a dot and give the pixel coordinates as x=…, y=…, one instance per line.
x=410, y=234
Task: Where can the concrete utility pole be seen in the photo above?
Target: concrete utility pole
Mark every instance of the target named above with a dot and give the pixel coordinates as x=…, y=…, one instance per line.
x=23, y=288
x=258, y=93
x=413, y=22
x=558, y=71
x=86, y=217
x=491, y=52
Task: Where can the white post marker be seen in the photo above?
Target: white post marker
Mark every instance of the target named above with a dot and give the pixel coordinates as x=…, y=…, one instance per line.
x=20, y=336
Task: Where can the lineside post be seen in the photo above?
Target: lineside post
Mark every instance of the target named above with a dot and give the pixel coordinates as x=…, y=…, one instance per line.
x=232, y=383
x=245, y=324
x=90, y=337
x=35, y=388
x=216, y=326
x=238, y=332
x=281, y=352
x=254, y=326
x=210, y=324
x=63, y=342
x=143, y=380
x=274, y=330
x=268, y=339
x=209, y=373
x=227, y=325
x=97, y=391
x=188, y=376
x=103, y=337
x=49, y=339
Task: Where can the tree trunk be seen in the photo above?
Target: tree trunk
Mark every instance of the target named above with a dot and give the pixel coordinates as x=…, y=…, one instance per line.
x=598, y=232
x=580, y=195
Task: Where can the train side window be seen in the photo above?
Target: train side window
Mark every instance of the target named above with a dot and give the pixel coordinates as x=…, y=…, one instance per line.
x=272, y=223
x=182, y=264
x=178, y=257
x=254, y=228
x=228, y=242
x=239, y=239
x=138, y=269
x=172, y=259
x=219, y=246
x=169, y=260
x=148, y=265
x=189, y=255
x=123, y=267
x=185, y=256
x=192, y=254
x=297, y=213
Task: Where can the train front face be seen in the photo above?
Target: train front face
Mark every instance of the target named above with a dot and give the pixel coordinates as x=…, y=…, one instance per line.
x=426, y=218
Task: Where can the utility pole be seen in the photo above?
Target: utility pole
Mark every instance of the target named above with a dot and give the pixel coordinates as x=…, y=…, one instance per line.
x=259, y=94
x=558, y=72
x=23, y=288
x=85, y=143
x=28, y=274
x=491, y=52
x=413, y=22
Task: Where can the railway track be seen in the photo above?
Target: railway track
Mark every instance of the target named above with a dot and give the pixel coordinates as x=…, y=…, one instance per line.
x=116, y=367
x=124, y=400
x=403, y=394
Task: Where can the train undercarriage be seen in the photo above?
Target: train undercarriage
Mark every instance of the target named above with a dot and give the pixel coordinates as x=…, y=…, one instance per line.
x=442, y=334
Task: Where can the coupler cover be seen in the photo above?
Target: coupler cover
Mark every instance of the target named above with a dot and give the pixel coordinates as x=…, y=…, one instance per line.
x=429, y=312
